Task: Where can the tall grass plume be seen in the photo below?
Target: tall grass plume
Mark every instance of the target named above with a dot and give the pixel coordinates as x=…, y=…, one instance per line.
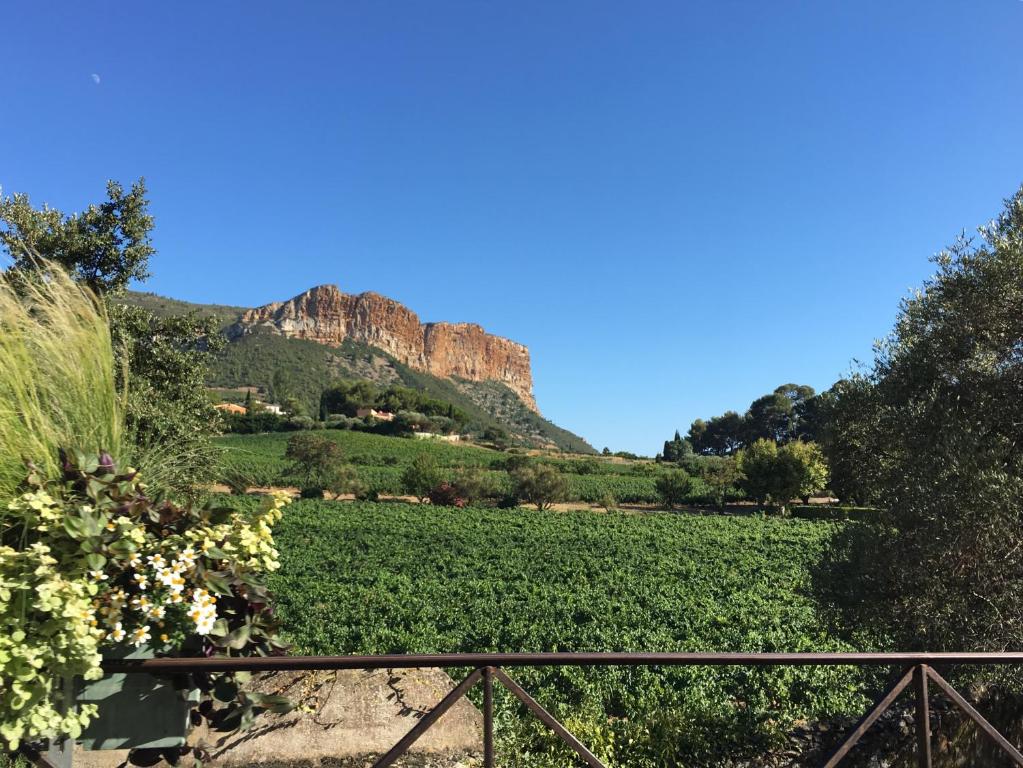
x=58, y=382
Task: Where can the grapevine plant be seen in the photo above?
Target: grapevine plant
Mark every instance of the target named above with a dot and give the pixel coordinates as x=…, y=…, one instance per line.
x=91, y=563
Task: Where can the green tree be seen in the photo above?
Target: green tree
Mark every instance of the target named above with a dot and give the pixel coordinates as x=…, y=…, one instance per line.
x=164, y=360
x=421, y=476
x=771, y=417
x=676, y=449
x=539, y=484
x=847, y=422
x=937, y=424
x=812, y=467
x=673, y=487
x=721, y=436
x=769, y=475
x=721, y=476
x=316, y=464
x=105, y=247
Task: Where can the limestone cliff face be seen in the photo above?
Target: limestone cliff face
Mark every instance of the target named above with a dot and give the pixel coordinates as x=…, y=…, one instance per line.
x=328, y=316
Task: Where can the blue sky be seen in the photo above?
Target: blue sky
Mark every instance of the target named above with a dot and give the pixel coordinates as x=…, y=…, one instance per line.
x=677, y=206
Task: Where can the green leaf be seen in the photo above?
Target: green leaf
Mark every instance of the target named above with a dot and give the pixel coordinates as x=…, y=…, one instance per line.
x=239, y=638
x=95, y=561
x=217, y=581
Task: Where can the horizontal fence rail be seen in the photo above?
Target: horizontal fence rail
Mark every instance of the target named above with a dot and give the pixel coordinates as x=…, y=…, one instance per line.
x=487, y=668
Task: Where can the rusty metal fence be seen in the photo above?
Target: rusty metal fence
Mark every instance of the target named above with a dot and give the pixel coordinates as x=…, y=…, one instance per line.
x=917, y=670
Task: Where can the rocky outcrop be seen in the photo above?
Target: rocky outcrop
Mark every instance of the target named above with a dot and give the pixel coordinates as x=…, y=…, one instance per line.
x=326, y=315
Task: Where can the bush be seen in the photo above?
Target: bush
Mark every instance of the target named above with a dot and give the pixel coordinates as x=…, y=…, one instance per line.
x=475, y=486
x=421, y=477
x=90, y=563
x=516, y=462
x=446, y=495
x=608, y=501
x=254, y=423
x=769, y=474
x=674, y=488
x=317, y=465
x=540, y=484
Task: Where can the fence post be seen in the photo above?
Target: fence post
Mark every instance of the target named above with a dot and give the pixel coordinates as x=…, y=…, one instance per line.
x=923, y=719
x=488, y=717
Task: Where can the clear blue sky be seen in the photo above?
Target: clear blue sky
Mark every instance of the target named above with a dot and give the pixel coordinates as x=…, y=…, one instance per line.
x=677, y=206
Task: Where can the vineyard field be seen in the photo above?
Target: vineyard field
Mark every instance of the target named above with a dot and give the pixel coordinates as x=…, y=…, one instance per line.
x=396, y=578
x=380, y=460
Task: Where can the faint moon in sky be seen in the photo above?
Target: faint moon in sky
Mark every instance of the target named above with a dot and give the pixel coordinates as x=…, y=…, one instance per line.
x=95, y=78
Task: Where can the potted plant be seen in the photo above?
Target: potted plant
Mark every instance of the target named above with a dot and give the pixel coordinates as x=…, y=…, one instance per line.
x=110, y=572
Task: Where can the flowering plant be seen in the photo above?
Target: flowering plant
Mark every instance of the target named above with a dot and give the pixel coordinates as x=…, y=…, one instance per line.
x=92, y=563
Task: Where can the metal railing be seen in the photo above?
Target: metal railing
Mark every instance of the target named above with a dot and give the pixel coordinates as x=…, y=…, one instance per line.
x=917, y=669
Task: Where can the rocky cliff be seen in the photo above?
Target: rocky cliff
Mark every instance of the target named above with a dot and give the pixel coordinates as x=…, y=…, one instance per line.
x=464, y=350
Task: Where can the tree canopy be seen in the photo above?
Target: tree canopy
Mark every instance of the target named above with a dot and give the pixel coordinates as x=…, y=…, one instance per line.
x=105, y=246
x=934, y=430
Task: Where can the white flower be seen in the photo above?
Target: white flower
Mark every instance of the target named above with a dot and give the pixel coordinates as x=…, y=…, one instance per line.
x=185, y=559
x=203, y=611
x=140, y=636
x=141, y=603
x=97, y=576
x=141, y=581
x=135, y=561
x=116, y=634
x=157, y=561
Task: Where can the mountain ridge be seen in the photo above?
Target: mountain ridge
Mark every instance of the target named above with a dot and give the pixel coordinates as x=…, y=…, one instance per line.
x=252, y=359
x=465, y=350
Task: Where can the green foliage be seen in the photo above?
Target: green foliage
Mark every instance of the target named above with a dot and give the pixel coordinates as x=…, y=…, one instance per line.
x=90, y=562
x=721, y=478
x=317, y=464
x=935, y=426
x=57, y=376
x=390, y=578
x=674, y=488
x=539, y=484
x=104, y=247
x=421, y=476
x=770, y=474
x=813, y=467
x=168, y=412
x=720, y=436
x=788, y=413
x=676, y=449
x=161, y=306
x=252, y=359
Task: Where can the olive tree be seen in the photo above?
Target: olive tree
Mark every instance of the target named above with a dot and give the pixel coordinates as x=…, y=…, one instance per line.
x=539, y=484
x=937, y=428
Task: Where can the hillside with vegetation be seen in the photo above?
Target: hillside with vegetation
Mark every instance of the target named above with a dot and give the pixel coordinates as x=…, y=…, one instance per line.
x=301, y=369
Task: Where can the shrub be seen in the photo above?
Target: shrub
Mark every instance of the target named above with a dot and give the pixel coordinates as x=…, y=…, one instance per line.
x=475, y=486
x=516, y=461
x=421, y=477
x=540, y=484
x=316, y=464
x=365, y=492
x=608, y=501
x=674, y=487
x=812, y=466
x=446, y=495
